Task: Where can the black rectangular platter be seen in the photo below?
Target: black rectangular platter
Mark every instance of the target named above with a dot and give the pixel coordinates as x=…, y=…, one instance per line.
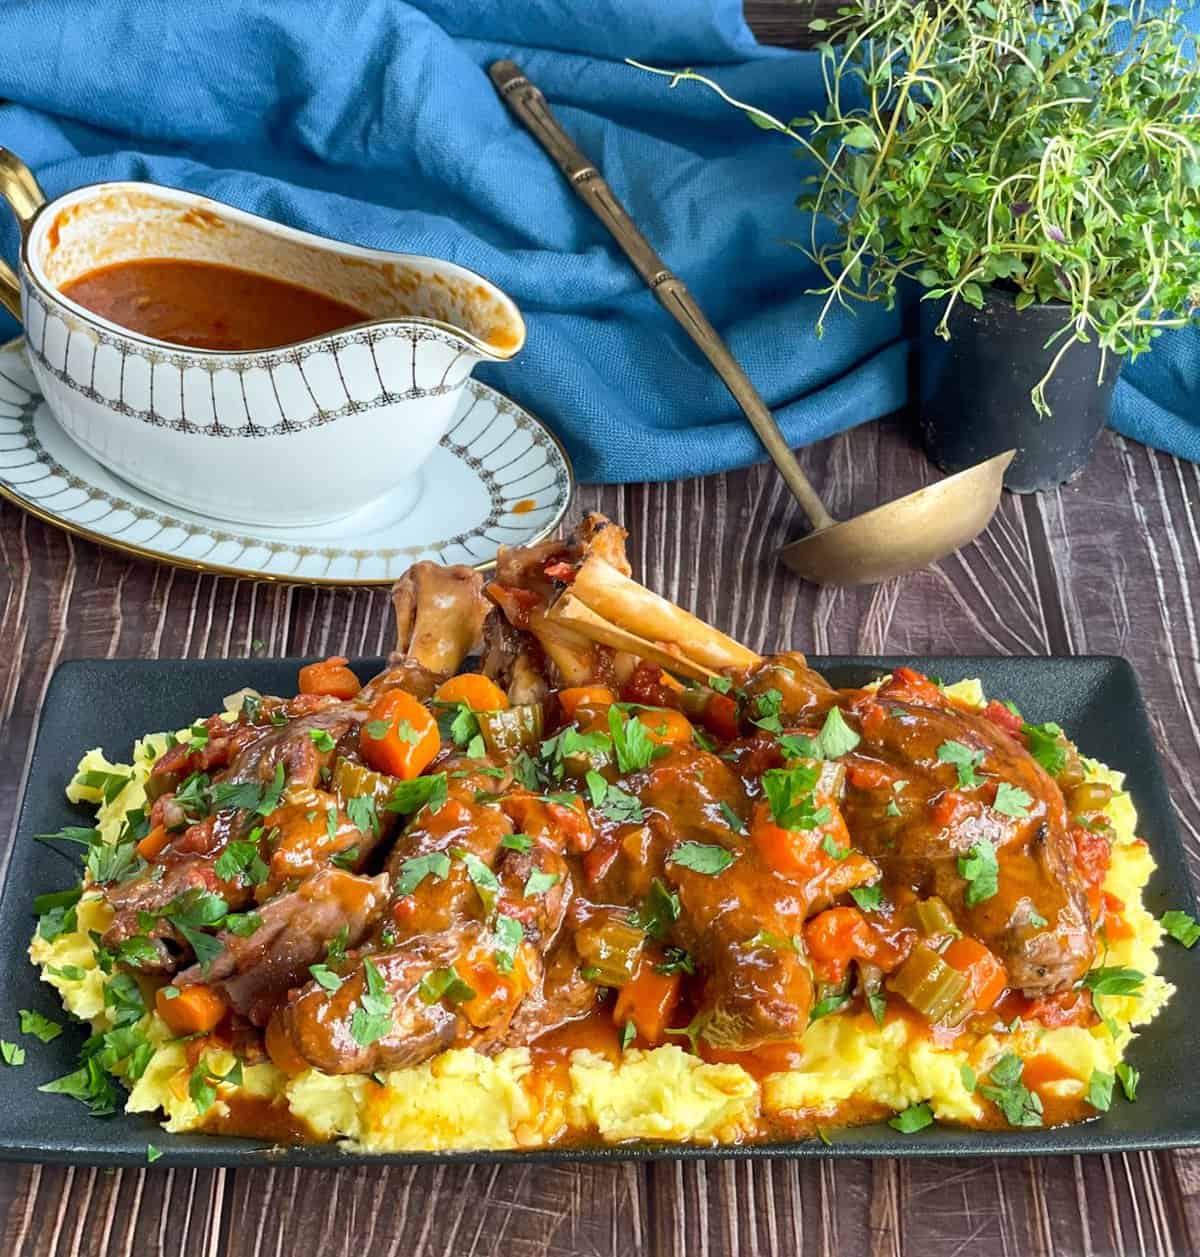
x=109, y=703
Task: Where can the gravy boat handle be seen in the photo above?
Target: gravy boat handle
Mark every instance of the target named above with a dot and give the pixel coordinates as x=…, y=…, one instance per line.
x=25, y=197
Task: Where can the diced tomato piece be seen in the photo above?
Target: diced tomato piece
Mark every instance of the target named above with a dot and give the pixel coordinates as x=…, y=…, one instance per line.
x=906, y=685
x=1116, y=927
x=649, y=684
x=196, y=1009
x=1067, y=1008
x=1000, y=715
x=720, y=717
x=561, y=570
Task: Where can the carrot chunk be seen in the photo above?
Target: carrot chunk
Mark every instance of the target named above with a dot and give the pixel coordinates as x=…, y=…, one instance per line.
x=648, y=1000
x=986, y=976
x=195, y=1010
x=666, y=726
x=473, y=688
x=331, y=677
x=399, y=736
x=576, y=696
x=153, y=843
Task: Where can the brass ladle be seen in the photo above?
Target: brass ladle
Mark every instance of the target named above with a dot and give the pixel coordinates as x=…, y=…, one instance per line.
x=901, y=536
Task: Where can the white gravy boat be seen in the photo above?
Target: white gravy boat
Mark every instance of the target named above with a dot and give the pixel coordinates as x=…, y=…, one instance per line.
x=302, y=434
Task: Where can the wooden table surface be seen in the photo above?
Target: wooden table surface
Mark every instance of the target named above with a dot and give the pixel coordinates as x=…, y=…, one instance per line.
x=1107, y=565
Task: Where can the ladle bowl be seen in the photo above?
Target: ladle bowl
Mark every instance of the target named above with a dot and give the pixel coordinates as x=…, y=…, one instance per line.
x=899, y=537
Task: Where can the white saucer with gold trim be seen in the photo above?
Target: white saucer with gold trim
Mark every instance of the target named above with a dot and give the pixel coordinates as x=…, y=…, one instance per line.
x=498, y=477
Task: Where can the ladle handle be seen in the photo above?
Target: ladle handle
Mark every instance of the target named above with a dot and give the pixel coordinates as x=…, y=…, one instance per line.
x=530, y=107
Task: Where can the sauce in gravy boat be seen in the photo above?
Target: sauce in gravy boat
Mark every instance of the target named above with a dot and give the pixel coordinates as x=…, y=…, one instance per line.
x=297, y=433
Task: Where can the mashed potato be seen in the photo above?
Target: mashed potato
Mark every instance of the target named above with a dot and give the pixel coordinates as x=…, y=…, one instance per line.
x=463, y=1100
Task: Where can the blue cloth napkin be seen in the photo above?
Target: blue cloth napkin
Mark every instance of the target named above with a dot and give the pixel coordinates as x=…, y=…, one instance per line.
x=374, y=121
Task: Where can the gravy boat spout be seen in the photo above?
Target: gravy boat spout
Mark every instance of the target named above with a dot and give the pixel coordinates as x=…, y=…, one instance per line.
x=296, y=434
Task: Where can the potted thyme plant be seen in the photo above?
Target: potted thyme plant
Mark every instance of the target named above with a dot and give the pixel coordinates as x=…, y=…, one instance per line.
x=1034, y=171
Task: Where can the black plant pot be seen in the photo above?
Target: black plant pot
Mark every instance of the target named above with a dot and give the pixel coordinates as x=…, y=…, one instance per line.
x=975, y=387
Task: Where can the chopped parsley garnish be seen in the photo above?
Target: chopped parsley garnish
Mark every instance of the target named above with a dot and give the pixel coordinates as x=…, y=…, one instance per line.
x=241, y=862
x=1011, y=801
x=968, y=1076
x=675, y=960
x=137, y=951
x=236, y=794
x=1046, y=747
x=525, y=770
x=628, y=1034
x=517, y=842
x=830, y=1004
x=701, y=857
x=90, y=1084
x=1181, y=927
x=418, y=867
x=613, y=802
x=835, y=740
x=411, y=796
x=1020, y=1106
x=335, y=949
x=372, y=1019
x=109, y=784
x=362, y=813
x=659, y=911
x=198, y=738
x=322, y=739
x=964, y=759
x=1114, y=980
x=914, y=1118
x=456, y=723
x=377, y=730
x=326, y=978
x=1036, y=919
x=271, y=793
x=731, y=818
x=766, y=710
x=776, y=942
x=194, y=796
x=190, y=913
x=721, y=684
x=444, y=984
x=892, y=809
x=868, y=898
x=634, y=747
x=981, y=871
x=482, y=878
x=251, y=706
x=832, y=850
x=152, y=1154
x=790, y=795
x=589, y=748
x=40, y=1027
x=1129, y=1077
x=243, y=924
x=406, y=733
x=1100, y=1089
x=877, y=1003
x=346, y=860
x=12, y=1053
x=71, y=973
x=538, y=883
x=509, y=935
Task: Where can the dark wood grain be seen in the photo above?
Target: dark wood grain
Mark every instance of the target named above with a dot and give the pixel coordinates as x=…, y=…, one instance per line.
x=1111, y=564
